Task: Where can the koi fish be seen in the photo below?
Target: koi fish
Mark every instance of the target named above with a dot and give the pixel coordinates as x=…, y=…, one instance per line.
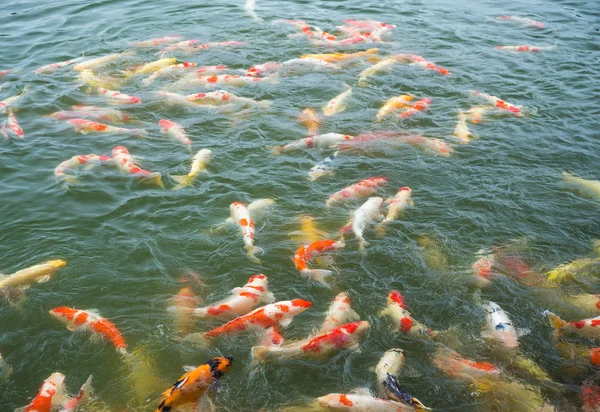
x=50, y=396
x=90, y=321
x=13, y=126
x=101, y=61
x=525, y=48
x=436, y=145
x=168, y=71
x=461, y=131
x=116, y=97
x=249, y=7
x=272, y=337
x=260, y=70
x=591, y=186
x=416, y=107
x=396, y=309
x=126, y=164
x=430, y=249
x=590, y=356
x=308, y=62
x=159, y=41
x=391, y=105
x=458, y=367
x=590, y=396
x=362, y=217
x=184, y=45
x=500, y=327
x=323, y=168
x=192, y=386
x=51, y=68
x=75, y=402
x=390, y=364
x=4, y=73
x=223, y=79
x=497, y=102
x=359, y=402
x=305, y=253
x=179, y=99
x=308, y=233
x=339, y=313
x=85, y=126
x=398, y=204
x=369, y=24
x=310, y=119
x=327, y=40
x=218, y=44
x=568, y=271
x=483, y=268
x=240, y=215
x=199, y=163
x=338, y=103
x=420, y=61
x=5, y=370
x=155, y=66
x=89, y=78
x=220, y=97
x=589, y=303
x=363, y=188
x=385, y=64
x=273, y=314
x=340, y=57
x=585, y=327
x=241, y=301
x=321, y=141
x=39, y=273
x=475, y=113
x=87, y=161
x=93, y=113
x=10, y=101
x=181, y=307
x=174, y=130
x=522, y=20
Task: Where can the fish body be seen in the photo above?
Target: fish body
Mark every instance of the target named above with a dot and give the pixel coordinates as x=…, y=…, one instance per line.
x=311, y=120
x=167, y=71
x=126, y=164
x=222, y=97
x=95, y=82
x=90, y=321
x=338, y=103
x=241, y=216
x=340, y=57
x=50, y=396
x=363, y=188
x=174, y=130
x=339, y=313
x=182, y=306
x=420, y=61
x=305, y=253
x=115, y=97
x=591, y=186
x=242, y=300
x=475, y=113
x=75, y=162
x=590, y=396
x=100, y=61
x=483, y=268
x=500, y=327
x=308, y=63
x=192, y=386
x=391, y=105
x=51, y=68
x=5, y=370
x=155, y=66
x=461, y=131
x=460, y=368
x=431, y=252
x=74, y=403
x=367, y=214
x=159, y=41
x=525, y=48
x=586, y=327
x=38, y=273
x=522, y=20
x=568, y=271
x=184, y=45
x=321, y=141
x=9, y=102
x=249, y=7
x=260, y=70
x=435, y=145
x=323, y=168
x=199, y=164
x=225, y=79
x=405, y=323
x=324, y=345
x=273, y=314
x=416, y=107
x=308, y=232
x=590, y=356
x=398, y=204
x=360, y=403
x=390, y=363
x=385, y=64
x=497, y=102
x=93, y=113
x=85, y=126
x=13, y=127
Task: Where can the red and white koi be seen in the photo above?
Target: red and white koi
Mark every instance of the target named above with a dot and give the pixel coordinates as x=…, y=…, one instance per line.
x=272, y=337
x=168, y=71
x=274, y=314
x=416, y=107
x=226, y=79
x=221, y=97
x=51, y=68
x=391, y=105
x=211, y=69
x=385, y=64
x=458, y=367
x=85, y=126
x=50, y=396
x=522, y=20
x=101, y=61
x=181, y=100
x=367, y=25
x=525, y=48
x=360, y=402
x=13, y=127
x=116, y=97
x=241, y=216
x=324, y=345
x=90, y=321
x=199, y=164
x=159, y=41
x=321, y=141
x=500, y=327
x=219, y=44
x=338, y=103
x=403, y=320
x=420, y=61
x=241, y=301
x=327, y=40
x=174, y=130
x=126, y=164
x=73, y=404
x=497, y=102
x=339, y=313
x=306, y=252
x=436, y=145
x=363, y=188
x=260, y=70
x=585, y=327
x=94, y=113
x=308, y=62
x=185, y=45
x=398, y=204
x=10, y=101
x=86, y=161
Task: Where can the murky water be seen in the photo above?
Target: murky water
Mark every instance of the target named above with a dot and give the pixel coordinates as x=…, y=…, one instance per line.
x=127, y=244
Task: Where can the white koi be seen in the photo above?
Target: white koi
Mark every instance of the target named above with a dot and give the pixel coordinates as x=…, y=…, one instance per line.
x=101, y=61
x=591, y=186
x=199, y=163
x=321, y=141
x=500, y=327
x=338, y=103
x=51, y=68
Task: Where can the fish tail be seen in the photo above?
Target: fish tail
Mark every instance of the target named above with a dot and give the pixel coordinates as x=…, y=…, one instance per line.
x=182, y=181
x=252, y=251
x=154, y=179
x=380, y=229
x=259, y=353
x=555, y=321
x=141, y=133
x=362, y=244
x=276, y=150
x=319, y=275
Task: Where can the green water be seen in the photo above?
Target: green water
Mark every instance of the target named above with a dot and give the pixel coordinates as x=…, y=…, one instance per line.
x=127, y=244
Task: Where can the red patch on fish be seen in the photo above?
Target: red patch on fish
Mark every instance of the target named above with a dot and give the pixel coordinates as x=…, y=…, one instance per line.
x=595, y=323
x=406, y=325
x=249, y=295
x=345, y=401
x=243, y=222
x=579, y=324
x=397, y=297
x=218, y=310
x=595, y=356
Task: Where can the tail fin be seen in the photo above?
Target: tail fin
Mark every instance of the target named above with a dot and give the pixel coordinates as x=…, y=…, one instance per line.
x=362, y=244
x=259, y=353
x=395, y=392
x=252, y=251
x=319, y=275
x=276, y=150
x=380, y=229
x=182, y=181
x=555, y=321
x=154, y=179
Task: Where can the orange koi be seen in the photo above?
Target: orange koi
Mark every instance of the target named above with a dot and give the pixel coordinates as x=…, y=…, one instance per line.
x=305, y=253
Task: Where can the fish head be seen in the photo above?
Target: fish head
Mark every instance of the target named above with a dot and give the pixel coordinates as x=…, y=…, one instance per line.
x=57, y=263
x=63, y=313
x=119, y=150
x=258, y=282
x=203, y=154
x=334, y=400
x=219, y=365
x=396, y=298
x=296, y=307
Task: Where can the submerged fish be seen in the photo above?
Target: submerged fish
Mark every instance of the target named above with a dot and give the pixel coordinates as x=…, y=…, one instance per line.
x=458, y=367
x=585, y=327
x=525, y=48
x=101, y=61
x=590, y=186
x=308, y=232
x=38, y=273
x=321, y=141
x=323, y=168
x=363, y=188
x=391, y=105
x=338, y=103
x=500, y=327
x=174, y=130
x=80, y=161
x=310, y=119
x=5, y=370
x=359, y=402
x=431, y=252
x=182, y=306
x=403, y=320
x=497, y=102
x=51, y=68
x=522, y=20
x=366, y=215
x=199, y=163
x=127, y=164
